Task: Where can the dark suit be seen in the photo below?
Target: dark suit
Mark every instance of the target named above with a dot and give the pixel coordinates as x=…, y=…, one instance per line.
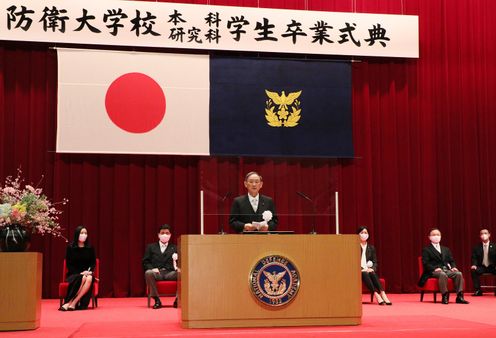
x=370, y=279
x=154, y=258
x=433, y=259
x=477, y=257
x=242, y=212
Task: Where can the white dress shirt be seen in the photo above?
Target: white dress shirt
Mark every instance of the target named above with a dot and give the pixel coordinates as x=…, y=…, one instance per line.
x=363, y=261
x=254, y=201
x=437, y=246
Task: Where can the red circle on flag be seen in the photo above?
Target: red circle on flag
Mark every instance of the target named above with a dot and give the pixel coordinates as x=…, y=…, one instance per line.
x=135, y=102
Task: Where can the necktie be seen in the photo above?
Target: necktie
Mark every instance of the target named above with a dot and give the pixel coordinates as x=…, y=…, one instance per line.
x=485, y=260
x=254, y=204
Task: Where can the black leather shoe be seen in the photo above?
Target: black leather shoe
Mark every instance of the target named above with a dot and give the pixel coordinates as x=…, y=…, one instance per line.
x=445, y=299
x=157, y=305
x=174, y=305
x=477, y=293
x=62, y=308
x=460, y=299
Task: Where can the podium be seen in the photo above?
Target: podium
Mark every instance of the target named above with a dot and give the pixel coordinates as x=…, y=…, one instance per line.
x=215, y=285
x=20, y=290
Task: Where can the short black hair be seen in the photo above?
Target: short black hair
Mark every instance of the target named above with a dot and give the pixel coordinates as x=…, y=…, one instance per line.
x=164, y=227
x=360, y=229
x=253, y=173
x=432, y=229
x=485, y=229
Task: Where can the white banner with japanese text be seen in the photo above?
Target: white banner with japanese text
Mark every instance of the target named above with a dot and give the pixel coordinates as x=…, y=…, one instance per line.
x=187, y=26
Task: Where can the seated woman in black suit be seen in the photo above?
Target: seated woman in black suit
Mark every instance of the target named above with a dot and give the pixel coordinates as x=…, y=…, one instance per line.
x=368, y=264
x=80, y=260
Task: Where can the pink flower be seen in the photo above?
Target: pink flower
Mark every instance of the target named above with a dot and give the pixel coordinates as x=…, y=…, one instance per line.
x=9, y=190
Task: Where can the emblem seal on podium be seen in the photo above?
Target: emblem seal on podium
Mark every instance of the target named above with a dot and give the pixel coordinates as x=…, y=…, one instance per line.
x=274, y=280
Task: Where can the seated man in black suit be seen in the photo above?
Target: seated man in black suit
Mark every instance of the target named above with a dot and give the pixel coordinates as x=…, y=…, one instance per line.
x=253, y=212
x=439, y=263
x=158, y=263
x=483, y=260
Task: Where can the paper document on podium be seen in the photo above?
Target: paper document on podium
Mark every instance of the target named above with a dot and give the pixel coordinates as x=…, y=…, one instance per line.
x=258, y=225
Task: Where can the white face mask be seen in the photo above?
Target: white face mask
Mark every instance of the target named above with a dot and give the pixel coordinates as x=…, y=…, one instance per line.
x=164, y=238
x=435, y=239
x=364, y=236
x=484, y=237
x=82, y=237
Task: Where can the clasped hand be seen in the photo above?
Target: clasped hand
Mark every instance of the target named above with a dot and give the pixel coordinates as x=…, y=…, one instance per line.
x=439, y=269
x=253, y=227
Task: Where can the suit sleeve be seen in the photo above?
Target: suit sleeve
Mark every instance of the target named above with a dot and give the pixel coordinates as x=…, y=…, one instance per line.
x=147, y=258
x=273, y=222
x=234, y=221
x=373, y=258
x=450, y=259
x=492, y=254
x=429, y=266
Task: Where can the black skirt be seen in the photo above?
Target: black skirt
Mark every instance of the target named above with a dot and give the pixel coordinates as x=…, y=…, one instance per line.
x=73, y=288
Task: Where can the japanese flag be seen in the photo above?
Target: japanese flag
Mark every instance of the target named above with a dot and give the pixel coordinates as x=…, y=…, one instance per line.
x=129, y=102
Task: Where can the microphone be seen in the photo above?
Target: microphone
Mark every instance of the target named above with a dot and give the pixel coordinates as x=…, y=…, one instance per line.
x=304, y=196
x=227, y=195
x=223, y=199
x=313, y=232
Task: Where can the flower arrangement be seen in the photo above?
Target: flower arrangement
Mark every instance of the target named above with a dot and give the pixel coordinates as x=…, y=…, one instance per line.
x=29, y=207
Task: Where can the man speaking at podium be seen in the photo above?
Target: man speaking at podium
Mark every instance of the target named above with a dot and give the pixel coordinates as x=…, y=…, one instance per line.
x=253, y=211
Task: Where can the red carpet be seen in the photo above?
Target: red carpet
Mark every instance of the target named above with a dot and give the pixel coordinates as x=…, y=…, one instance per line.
x=129, y=317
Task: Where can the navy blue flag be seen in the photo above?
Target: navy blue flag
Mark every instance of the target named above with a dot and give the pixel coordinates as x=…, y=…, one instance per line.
x=272, y=107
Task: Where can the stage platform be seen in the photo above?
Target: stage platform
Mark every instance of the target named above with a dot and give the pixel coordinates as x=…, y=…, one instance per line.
x=407, y=317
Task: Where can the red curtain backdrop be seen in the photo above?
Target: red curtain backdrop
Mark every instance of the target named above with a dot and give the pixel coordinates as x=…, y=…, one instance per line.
x=422, y=134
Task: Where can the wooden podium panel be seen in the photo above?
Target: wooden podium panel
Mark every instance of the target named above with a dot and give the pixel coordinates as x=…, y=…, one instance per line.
x=20, y=290
x=215, y=289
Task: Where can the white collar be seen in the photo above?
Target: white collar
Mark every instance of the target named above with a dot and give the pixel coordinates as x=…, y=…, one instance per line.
x=250, y=197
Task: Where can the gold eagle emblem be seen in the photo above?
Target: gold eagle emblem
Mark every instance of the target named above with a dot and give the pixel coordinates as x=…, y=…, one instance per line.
x=273, y=284
x=277, y=108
